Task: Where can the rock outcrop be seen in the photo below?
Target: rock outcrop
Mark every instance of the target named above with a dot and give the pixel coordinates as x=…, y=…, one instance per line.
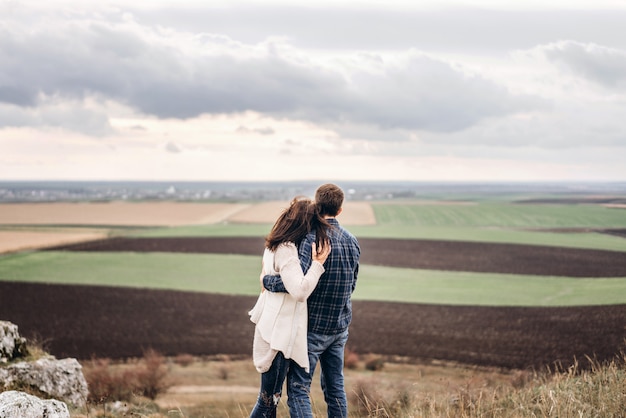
x=11, y=344
x=14, y=404
x=52, y=378
x=59, y=379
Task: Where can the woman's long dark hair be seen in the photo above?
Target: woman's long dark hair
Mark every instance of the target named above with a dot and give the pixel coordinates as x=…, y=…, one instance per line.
x=301, y=217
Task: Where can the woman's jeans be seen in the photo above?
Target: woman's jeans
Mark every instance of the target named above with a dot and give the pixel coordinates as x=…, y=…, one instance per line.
x=328, y=350
x=271, y=388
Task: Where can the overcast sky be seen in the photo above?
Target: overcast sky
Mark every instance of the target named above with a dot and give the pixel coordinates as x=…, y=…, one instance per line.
x=331, y=90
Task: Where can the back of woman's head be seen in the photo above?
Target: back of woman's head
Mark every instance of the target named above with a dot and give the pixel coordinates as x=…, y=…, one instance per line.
x=293, y=223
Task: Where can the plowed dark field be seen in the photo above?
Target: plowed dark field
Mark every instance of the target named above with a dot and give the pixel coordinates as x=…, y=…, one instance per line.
x=86, y=321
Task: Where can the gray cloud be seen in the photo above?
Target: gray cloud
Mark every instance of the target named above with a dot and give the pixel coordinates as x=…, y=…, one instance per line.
x=172, y=147
x=262, y=131
x=71, y=116
x=177, y=75
x=427, y=94
x=463, y=29
x=606, y=66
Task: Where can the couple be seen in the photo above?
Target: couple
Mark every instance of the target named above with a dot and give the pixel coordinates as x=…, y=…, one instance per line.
x=307, y=255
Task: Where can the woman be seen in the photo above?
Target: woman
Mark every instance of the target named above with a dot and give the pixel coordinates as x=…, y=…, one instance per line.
x=280, y=335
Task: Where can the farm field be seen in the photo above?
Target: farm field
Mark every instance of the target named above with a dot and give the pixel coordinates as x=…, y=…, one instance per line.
x=459, y=295
x=119, y=322
x=562, y=225
x=585, y=226
x=392, y=270
x=483, y=301
x=19, y=240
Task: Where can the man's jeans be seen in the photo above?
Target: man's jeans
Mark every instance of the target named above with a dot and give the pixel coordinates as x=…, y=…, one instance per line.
x=271, y=388
x=328, y=350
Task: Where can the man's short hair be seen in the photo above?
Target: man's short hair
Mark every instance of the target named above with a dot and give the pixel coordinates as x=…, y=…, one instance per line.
x=329, y=199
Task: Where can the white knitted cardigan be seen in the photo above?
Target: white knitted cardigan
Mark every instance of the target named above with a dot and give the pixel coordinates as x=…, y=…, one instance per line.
x=281, y=318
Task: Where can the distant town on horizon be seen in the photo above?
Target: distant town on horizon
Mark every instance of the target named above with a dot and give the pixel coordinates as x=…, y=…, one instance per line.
x=53, y=191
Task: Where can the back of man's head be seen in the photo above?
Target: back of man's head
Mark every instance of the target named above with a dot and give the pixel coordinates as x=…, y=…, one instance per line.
x=329, y=199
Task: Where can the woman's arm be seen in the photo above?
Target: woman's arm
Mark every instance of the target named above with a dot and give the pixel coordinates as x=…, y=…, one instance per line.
x=287, y=263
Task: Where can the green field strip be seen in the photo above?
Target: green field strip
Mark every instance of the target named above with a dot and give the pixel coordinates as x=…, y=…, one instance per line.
x=587, y=240
x=486, y=289
x=237, y=274
x=491, y=214
x=188, y=272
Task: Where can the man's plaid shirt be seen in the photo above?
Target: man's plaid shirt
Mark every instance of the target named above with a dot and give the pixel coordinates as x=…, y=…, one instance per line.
x=330, y=305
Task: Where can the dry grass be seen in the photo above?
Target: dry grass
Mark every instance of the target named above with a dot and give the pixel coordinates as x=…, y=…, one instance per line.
x=145, y=378
x=400, y=389
x=596, y=392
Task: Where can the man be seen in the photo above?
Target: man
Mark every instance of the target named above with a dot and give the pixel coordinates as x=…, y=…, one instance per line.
x=329, y=310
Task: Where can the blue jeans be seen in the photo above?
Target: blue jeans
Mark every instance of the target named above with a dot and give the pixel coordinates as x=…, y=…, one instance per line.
x=328, y=350
x=271, y=388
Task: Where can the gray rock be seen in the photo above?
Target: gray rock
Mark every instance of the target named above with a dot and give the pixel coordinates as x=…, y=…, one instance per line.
x=11, y=344
x=15, y=404
x=61, y=379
